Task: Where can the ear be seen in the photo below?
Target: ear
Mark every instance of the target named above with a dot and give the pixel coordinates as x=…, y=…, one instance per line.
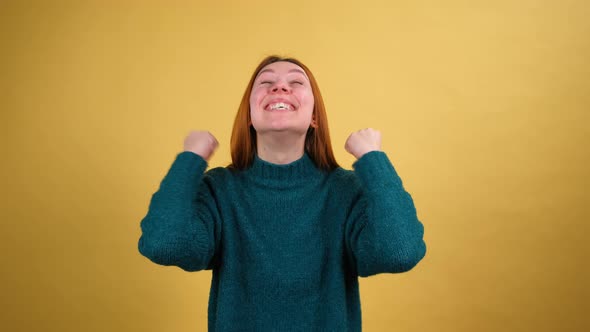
x=313, y=123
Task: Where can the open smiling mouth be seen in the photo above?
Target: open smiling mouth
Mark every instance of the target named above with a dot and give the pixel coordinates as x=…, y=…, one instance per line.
x=280, y=106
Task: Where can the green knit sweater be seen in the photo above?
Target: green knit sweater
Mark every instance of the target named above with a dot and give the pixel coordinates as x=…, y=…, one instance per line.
x=285, y=243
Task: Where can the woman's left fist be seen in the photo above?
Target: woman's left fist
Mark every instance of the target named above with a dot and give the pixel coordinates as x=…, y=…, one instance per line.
x=363, y=141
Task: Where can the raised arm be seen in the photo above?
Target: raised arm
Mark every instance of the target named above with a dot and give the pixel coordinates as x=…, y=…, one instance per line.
x=182, y=226
x=384, y=234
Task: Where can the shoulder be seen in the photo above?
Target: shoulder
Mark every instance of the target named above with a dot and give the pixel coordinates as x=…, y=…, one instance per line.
x=345, y=188
x=342, y=174
x=345, y=179
x=216, y=181
x=219, y=174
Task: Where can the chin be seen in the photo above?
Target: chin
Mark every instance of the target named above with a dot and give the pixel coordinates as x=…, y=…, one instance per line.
x=282, y=130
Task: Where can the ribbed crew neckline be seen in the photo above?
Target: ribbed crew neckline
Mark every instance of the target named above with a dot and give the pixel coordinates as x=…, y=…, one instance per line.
x=297, y=169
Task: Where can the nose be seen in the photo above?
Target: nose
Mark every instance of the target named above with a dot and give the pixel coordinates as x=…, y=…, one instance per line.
x=280, y=87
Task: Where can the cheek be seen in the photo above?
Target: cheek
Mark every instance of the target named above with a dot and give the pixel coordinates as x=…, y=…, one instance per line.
x=307, y=98
x=252, y=99
x=255, y=96
x=255, y=99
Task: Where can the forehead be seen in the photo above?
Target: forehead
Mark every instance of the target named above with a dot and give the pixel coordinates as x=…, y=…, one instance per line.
x=282, y=67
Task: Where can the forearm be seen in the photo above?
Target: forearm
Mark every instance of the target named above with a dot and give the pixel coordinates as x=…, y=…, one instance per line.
x=175, y=230
x=389, y=237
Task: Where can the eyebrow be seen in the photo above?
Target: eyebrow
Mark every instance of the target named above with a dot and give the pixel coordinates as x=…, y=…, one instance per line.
x=294, y=70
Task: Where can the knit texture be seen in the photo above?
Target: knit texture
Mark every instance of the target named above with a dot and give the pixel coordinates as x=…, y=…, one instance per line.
x=285, y=243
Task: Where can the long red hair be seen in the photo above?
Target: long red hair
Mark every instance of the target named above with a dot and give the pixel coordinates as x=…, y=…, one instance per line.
x=317, y=140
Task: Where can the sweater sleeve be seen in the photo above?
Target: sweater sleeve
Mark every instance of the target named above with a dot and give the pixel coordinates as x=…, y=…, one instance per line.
x=384, y=233
x=182, y=224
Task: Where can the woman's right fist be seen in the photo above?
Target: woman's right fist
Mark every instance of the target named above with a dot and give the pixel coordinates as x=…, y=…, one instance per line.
x=201, y=143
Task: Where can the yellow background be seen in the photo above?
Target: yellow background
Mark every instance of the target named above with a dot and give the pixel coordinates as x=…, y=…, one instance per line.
x=483, y=106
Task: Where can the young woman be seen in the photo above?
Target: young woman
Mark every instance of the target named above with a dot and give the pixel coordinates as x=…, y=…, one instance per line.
x=284, y=229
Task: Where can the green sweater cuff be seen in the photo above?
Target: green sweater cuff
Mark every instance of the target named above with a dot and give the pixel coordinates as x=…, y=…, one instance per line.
x=376, y=171
x=186, y=172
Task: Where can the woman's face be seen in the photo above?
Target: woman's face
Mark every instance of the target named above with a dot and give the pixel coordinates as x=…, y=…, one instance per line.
x=281, y=99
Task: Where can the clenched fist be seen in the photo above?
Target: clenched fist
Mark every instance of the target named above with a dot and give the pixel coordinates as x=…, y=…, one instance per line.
x=201, y=143
x=363, y=141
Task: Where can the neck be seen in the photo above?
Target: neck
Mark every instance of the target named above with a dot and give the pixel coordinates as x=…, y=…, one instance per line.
x=280, y=149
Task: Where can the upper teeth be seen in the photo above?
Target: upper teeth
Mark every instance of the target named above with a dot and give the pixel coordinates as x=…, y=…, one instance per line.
x=279, y=105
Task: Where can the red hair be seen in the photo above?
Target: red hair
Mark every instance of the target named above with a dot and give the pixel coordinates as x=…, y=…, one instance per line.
x=317, y=140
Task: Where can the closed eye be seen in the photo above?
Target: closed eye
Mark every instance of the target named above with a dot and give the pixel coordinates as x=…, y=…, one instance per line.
x=297, y=82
